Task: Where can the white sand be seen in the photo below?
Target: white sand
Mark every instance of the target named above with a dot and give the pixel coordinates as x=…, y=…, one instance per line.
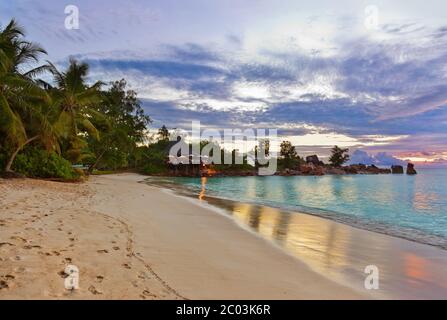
x=133, y=241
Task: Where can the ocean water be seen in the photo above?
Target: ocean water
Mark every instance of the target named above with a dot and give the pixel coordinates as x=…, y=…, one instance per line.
x=411, y=207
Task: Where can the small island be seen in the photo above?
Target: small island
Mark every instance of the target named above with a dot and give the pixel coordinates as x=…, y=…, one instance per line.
x=289, y=163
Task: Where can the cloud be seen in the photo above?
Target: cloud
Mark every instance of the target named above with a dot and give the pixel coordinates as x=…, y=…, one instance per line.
x=368, y=88
x=316, y=77
x=379, y=159
x=354, y=96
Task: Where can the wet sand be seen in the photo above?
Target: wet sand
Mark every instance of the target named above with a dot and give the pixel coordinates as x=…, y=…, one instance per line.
x=134, y=241
x=407, y=269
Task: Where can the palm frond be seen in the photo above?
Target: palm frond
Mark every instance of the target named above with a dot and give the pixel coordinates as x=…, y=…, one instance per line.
x=36, y=71
x=10, y=123
x=89, y=127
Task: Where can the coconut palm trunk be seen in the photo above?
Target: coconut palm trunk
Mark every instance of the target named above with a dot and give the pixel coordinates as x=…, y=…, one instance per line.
x=93, y=166
x=8, y=167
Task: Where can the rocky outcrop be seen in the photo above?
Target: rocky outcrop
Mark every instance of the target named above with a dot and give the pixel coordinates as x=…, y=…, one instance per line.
x=359, y=167
x=317, y=170
x=353, y=169
x=372, y=169
x=304, y=170
x=313, y=159
x=397, y=169
x=332, y=170
x=411, y=169
x=363, y=169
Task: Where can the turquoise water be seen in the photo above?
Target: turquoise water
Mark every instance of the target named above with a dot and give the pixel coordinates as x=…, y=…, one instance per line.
x=412, y=207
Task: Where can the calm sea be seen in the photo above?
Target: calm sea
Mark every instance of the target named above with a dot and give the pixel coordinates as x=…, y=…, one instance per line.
x=411, y=207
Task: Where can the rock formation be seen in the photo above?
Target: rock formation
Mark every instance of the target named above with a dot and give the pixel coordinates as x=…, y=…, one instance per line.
x=314, y=160
x=410, y=169
x=397, y=169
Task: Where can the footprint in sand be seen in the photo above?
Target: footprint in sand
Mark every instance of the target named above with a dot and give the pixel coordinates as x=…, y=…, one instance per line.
x=62, y=274
x=4, y=281
x=102, y=251
x=18, y=238
x=147, y=293
x=99, y=278
x=116, y=248
x=3, y=284
x=5, y=244
x=93, y=290
x=127, y=266
x=28, y=247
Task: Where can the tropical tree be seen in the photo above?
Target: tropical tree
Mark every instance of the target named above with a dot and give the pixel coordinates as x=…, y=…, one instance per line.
x=289, y=155
x=76, y=100
x=125, y=129
x=67, y=115
x=163, y=133
x=20, y=96
x=338, y=156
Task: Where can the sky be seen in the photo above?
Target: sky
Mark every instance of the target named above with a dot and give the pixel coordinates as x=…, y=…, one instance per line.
x=367, y=75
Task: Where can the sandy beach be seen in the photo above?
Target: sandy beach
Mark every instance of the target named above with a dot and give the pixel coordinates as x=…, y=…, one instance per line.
x=135, y=241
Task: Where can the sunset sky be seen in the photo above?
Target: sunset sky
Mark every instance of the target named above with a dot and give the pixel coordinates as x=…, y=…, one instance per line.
x=321, y=72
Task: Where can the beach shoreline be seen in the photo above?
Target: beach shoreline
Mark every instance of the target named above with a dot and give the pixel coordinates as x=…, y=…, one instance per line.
x=222, y=202
x=135, y=241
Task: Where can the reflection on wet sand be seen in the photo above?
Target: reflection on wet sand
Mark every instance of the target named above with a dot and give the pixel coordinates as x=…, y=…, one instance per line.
x=324, y=250
x=407, y=269
x=203, y=190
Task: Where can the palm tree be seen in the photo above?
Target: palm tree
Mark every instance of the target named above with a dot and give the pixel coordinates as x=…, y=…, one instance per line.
x=75, y=99
x=20, y=96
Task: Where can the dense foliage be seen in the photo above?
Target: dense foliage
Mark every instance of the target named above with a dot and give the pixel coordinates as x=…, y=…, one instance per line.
x=46, y=127
x=36, y=162
x=289, y=157
x=339, y=156
x=123, y=131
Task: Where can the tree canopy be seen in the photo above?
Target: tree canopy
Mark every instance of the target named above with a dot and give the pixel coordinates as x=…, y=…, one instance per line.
x=339, y=156
x=95, y=124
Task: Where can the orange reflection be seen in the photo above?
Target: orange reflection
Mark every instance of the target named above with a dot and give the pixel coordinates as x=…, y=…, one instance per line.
x=415, y=267
x=202, y=192
x=323, y=250
x=424, y=201
x=341, y=252
x=242, y=212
